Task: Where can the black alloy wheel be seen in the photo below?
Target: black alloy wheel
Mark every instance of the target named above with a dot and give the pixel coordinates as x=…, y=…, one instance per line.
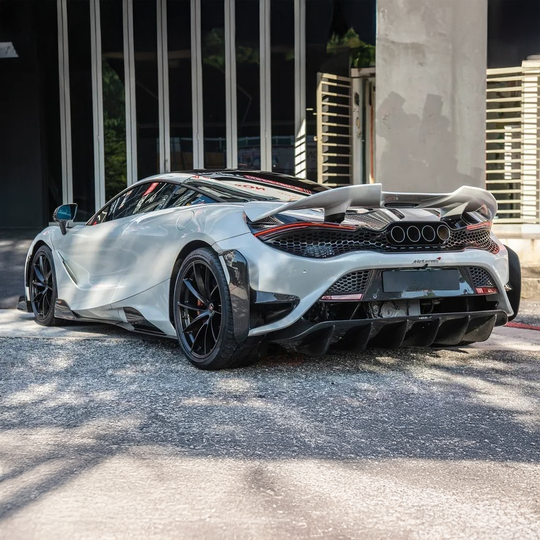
x=203, y=315
x=42, y=285
x=199, y=305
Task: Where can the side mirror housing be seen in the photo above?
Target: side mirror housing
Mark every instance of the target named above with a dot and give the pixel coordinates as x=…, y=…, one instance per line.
x=63, y=214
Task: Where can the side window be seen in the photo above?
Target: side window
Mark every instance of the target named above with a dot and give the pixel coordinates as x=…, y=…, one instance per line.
x=148, y=197
x=154, y=197
x=188, y=197
x=124, y=205
x=102, y=216
x=201, y=198
x=178, y=197
x=121, y=206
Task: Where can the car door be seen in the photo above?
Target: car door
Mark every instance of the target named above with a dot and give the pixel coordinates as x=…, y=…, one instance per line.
x=91, y=254
x=152, y=240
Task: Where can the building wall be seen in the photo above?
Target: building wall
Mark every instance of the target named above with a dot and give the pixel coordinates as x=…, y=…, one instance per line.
x=430, y=104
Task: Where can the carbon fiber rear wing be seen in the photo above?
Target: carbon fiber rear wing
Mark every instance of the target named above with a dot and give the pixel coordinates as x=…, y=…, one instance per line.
x=335, y=202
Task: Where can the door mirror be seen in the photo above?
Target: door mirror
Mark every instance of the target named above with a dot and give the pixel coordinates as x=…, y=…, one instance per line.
x=63, y=214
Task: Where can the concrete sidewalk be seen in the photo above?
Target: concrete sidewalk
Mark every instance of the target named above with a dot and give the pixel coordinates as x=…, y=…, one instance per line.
x=106, y=434
x=17, y=324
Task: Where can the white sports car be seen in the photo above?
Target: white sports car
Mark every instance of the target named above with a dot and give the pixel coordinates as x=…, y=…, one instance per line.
x=227, y=261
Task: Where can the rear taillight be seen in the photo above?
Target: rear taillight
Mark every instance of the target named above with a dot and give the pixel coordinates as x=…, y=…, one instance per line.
x=486, y=290
x=482, y=225
x=301, y=225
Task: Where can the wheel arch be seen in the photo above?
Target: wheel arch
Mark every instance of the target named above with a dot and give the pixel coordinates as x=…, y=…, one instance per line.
x=186, y=250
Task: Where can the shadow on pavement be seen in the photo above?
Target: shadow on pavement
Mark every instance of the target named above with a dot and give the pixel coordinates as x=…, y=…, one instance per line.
x=67, y=407
x=14, y=244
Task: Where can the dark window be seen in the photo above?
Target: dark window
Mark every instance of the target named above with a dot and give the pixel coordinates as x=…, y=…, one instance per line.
x=146, y=79
x=248, y=91
x=282, y=73
x=177, y=198
x=82, y=132
x=121, y=206
x=125, y=204
x=188, y=197
x=149, y=197
x=154, y=197
x=513, y=32
x=179, y=56
x=213, y=72
x=114, y=103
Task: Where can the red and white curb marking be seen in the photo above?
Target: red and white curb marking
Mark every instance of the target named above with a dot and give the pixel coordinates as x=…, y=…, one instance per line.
x=522, y=326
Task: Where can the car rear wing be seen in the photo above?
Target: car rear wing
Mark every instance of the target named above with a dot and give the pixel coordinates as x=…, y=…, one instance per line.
x=335, y=202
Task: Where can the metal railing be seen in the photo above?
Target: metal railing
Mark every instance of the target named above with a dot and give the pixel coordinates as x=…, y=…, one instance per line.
x=334, y=155
x=512, y=141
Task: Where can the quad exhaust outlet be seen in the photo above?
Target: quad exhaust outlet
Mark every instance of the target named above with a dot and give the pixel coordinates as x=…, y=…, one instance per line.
x=418, y=234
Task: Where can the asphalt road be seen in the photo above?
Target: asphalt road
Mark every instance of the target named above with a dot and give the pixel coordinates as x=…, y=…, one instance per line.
x=107, y=435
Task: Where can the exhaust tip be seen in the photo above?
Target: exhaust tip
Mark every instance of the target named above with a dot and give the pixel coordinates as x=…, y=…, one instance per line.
x=397, y=234
x=443, y=232
x=413, y=234
x=428, y=233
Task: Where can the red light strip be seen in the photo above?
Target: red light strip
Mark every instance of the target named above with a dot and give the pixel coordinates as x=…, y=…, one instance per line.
x=483, y=225
x=304, y=225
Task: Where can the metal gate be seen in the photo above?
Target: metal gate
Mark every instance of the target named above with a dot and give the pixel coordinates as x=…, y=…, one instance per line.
x=512, y=150
x=346, y=128
x=334, y=148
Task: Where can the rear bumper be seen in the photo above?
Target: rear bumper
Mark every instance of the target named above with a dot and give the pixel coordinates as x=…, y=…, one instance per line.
x=444, y=329
x=275, y=271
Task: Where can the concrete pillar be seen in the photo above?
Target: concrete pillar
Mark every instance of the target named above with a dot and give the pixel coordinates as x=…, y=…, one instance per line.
x=430, y=95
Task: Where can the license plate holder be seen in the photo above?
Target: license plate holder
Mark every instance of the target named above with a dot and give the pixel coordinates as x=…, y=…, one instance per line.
x=443, y=279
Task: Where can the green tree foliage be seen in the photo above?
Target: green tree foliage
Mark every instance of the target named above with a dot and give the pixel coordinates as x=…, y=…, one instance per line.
x=361, y=54
x=213, y=48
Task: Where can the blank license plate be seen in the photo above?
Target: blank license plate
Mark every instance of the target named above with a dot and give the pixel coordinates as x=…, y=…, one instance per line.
x=420, y=280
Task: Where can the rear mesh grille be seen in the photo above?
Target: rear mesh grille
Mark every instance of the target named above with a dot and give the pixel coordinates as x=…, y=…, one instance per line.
x=481, y=277
x=321, y=244
x=479, y=238
x=355, y=282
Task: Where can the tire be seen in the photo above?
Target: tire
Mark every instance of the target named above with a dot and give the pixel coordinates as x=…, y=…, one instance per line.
x=514, y=270
x=203, y=315
x=43, y=287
